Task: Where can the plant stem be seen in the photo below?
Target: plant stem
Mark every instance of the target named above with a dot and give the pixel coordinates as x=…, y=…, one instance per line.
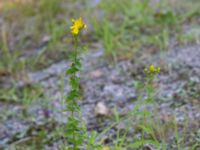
x=74, y=76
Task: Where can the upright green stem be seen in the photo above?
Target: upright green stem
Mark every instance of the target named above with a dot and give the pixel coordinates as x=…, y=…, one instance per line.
x=72, y=106
x=75, y=47
x=74, y=76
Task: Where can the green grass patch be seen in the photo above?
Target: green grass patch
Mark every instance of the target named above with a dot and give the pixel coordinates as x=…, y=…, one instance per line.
x=131, y=25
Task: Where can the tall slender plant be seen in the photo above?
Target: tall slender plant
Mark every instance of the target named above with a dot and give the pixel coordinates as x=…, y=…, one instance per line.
x=146, y=128
x=74, y=133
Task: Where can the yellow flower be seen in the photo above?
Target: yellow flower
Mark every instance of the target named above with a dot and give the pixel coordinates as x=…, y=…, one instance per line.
x=77, y=26
x=152, y=70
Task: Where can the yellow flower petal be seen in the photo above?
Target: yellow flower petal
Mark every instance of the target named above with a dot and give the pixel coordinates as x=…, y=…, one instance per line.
x=77, y=26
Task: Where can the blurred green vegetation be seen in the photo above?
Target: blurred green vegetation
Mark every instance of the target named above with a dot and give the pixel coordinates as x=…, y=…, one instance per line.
x=35, y=34
x=40, y=33
x=131, y=25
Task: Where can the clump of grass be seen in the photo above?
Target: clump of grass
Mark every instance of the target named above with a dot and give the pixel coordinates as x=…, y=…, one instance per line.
x=107, y=34
x=8, y=59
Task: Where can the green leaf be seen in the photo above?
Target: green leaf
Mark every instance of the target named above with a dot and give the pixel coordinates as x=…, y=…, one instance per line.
x=146, y=129
x=74, y=82
x=137, y=144
x=72, y=95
